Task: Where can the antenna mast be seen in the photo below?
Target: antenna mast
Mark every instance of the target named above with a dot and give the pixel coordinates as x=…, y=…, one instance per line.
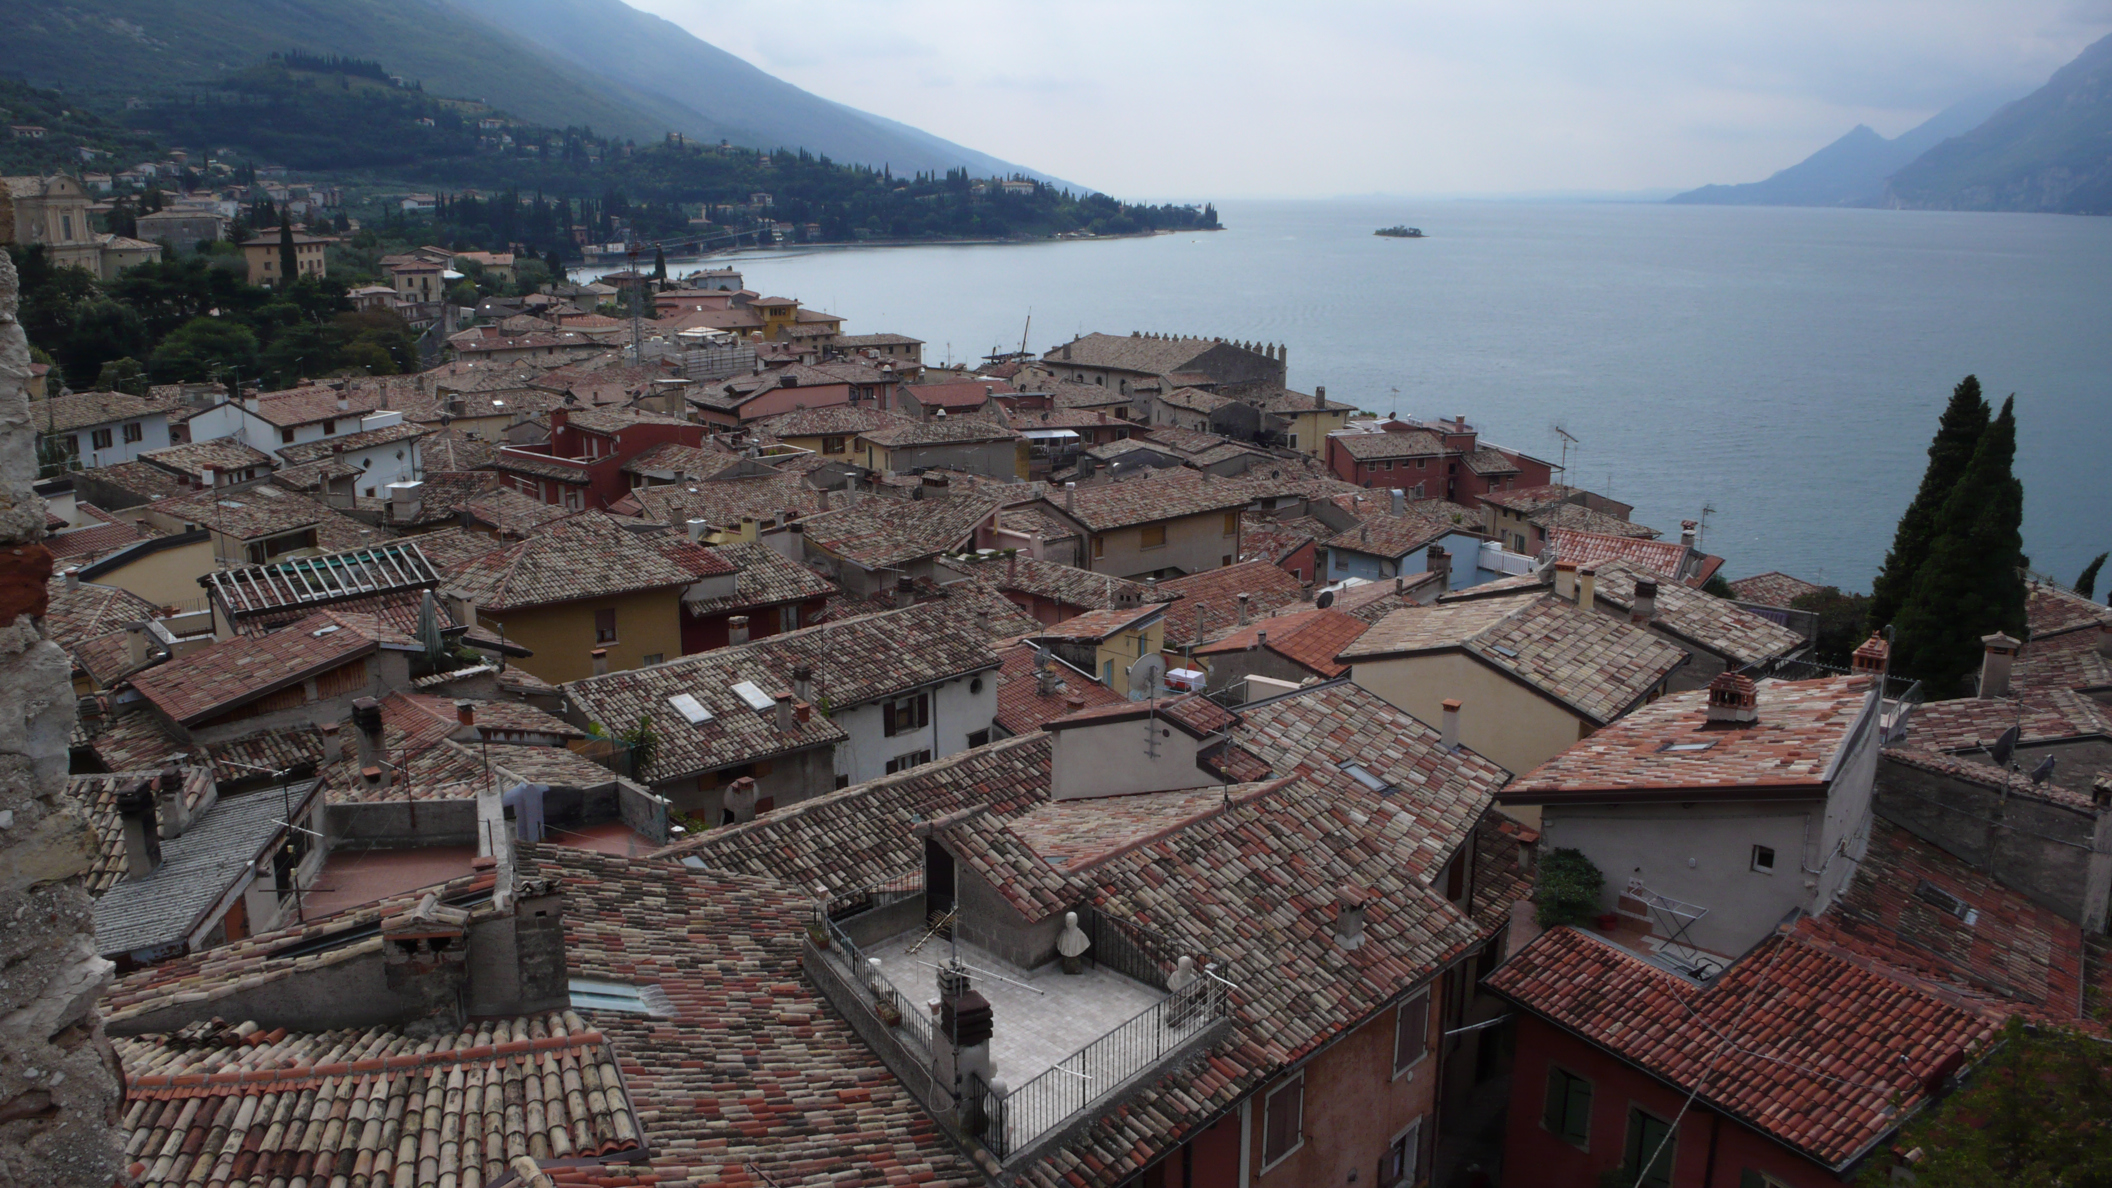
x=1567, y=441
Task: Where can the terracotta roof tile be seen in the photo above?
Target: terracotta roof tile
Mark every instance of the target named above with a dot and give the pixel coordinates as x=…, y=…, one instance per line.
x=881, y=533
x=193, y=687
x=223, y=454
x=1717, y=624
x=960, y=430
x=1383, y=535
x=1577, y=518
x=2052, y=610
x=89, y=610
x=1811, y=1049
x=1309, y=638
x=1366, y=447
x=1669, y=560
x=1209, y=601
x=1971, y=723
x=80, y=410
x=1161, y=495
x=1021, y=706
x=589, y=555
x=767, y=578
x=1593, y=663
x=1773, y=588
x=1803, y=729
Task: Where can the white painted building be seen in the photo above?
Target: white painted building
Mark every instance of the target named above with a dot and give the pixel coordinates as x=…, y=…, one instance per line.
x=916, y=726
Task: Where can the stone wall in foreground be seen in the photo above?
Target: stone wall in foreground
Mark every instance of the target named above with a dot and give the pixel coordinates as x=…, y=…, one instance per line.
x=58, y=1076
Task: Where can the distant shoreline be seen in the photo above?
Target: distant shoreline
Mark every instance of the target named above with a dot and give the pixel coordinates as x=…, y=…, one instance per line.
x=802, y=249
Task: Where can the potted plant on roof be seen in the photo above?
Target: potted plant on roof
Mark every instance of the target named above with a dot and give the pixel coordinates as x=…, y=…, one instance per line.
x=884, y=1006
x=818, y=933
x=1567, y=889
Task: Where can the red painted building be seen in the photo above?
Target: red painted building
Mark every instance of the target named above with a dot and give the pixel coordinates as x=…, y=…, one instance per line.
x=1433, y=460
x=581, y=467
x=771, y=594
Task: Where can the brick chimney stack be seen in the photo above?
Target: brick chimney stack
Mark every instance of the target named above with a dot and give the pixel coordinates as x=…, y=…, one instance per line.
x=1732, y=698
x=1644, y=608
x=1870, y=659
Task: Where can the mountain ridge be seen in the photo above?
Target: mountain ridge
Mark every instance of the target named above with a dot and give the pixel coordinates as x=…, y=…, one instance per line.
x=115, y=50
x=1852, y=170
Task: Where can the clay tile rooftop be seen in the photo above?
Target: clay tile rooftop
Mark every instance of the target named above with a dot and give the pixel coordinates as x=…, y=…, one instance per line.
x=1309, y=638
x=1799, y=732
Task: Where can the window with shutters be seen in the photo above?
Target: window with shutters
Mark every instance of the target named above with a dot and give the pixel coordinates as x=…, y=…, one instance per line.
x=1567, y=1112
x=286, y=436
x=135, y=431
x=1647, y=1159
x=1400, y=1163
x=905, y=715
x=905, y=762
x=1151, y=536
x=1283, y=1122
x=1411, y=1033
x=605, y=626
x=1231, y=523
x=99, y=439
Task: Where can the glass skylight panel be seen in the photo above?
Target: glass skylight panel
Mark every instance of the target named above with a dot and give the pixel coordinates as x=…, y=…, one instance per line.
x=690, y=708
x=757, y=699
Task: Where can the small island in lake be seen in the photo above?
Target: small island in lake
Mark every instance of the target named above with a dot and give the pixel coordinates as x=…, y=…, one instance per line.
x=1400, y=232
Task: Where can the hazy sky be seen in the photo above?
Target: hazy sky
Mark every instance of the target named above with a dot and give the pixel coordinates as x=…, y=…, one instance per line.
x=1233, y=98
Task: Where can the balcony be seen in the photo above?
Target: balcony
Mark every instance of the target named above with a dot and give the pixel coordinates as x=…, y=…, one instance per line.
x=1061, y=1043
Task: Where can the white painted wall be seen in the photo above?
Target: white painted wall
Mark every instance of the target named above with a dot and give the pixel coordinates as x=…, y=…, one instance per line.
x=153, y=435
x=960, y=707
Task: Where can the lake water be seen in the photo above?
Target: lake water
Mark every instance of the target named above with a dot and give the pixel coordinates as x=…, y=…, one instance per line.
x=1782, y=366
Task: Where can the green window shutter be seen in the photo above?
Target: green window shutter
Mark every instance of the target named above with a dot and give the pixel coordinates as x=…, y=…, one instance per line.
x=1556, y=1109
x=1751, y=1179
x=1578, y=1130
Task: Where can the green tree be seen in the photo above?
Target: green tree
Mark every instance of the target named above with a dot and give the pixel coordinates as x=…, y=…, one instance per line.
x=1972, y=583
x=2086, y=582
x=659, y=264
x=1841, y=619
x=123, y=375
x=1567, y=889
x=205, y=349
x=2036, y=1113
x=1957, y=433
x=289, y=263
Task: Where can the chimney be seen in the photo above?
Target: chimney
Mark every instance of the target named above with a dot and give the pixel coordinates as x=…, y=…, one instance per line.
x=1045, y=680
x=136, y=644
x=406, y=500
x=1686, y=532
x=1012, y=567
x=982, y=621
x=784, y=713
x=736, y=629
x=1732, y=699
x=333, y=742
x=343, y=405
x=135, y=811
x=1588, y=587
x=1243, y=608
x=739, y=801
x=1870, y=659
x=803, y=683
x=697, y=529
x=905, y=590
x=1439, y=563
x=1349, y=917
x=1319, y=396
x=1070, y=497
x=73, y=578
x=1400, y=501
x=169, y=803
x=936, y=486
x=208, y=477
x=466, y=713
x=1565, y=579
x=1448, y=731
x=1066, y=352
x=1995, y=664
x=965, y=1026
x=366, y=726
x=601, y=661
x=1644, y=609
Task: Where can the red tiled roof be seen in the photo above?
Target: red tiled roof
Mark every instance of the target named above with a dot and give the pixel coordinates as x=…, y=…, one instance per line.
x=1716, y=624
x=971, y=393
x=1100, y=624
x=88, y=610
x=1669, y=560
x=1368, y=446
x=1384, y=535
x=242, y=669
x=2052, y=610
x=1593, y=663
x=1195, y=714
x=2070, y=660
x=2045, y=715
x=1162, y=495
x=1021, y=706
x=587, y=556
x=1310, y=638
x=1209, y=601
x=83, y=544
x=1804, y=729
x=879, y=533
x=1532, y=499
x=1773, y=588
x=1797, y=1042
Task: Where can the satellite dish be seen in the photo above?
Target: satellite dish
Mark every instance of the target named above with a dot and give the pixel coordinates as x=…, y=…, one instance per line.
x=2005, y=747
x=1326, y=599
x=1146, y=677
x=2043, y=772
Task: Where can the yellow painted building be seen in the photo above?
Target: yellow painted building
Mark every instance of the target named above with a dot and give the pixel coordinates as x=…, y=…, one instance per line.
x=636, y=629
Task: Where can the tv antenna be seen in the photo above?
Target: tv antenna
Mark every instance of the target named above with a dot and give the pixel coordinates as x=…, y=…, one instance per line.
x=1701, y=530
x=1024, y=329
x=1568, y=440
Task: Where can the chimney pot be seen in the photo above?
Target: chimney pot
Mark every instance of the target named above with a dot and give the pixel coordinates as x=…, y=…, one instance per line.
x=739, y=802
x=1732, y=698
x=1440, y=563
x=1995, y=663
x=1070, y=495
x=466, y=712
x=1687, y=531
x=73, y=578
x=1448, y=731
x=803, y=683
x=1644, y=609
x=601, y=661
x=1400, y=501
x=333, y=743
x=135, y=810
x=1243, y=598
x=698, y=529
x=366, y=733
x=1587, y=587
x=785, y=720
x=1349, y=917
x=1320, y=396
x=1871, y=657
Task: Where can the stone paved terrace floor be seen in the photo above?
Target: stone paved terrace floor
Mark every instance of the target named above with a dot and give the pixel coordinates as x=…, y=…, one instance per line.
x=1032, y=1028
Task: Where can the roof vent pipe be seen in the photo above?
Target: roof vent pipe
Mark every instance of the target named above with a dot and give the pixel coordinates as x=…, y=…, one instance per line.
x=1070, y=497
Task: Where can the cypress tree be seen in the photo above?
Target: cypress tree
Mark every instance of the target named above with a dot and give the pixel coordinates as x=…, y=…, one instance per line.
x=1972, y=583
x=1957, y=433
x=659, y=264
x=2086, y=585
x=289, y=266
